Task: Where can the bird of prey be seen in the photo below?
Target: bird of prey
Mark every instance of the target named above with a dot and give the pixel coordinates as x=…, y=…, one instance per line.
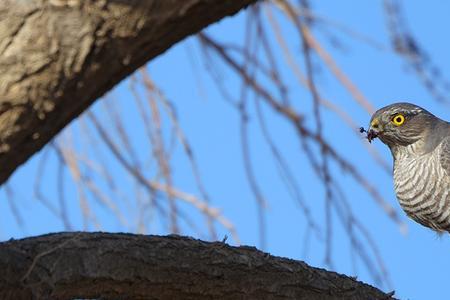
x=420, y=145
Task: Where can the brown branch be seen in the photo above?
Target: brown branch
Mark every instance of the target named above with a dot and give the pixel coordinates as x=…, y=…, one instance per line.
x=297, y=121
x=127, y=266
x=58, y=57
x=181, y=137
x=328, y=60
x=341, y=113
x=152, y=186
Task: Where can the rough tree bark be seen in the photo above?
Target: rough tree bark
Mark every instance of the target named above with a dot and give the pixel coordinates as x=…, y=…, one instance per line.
x=126, y=266
x=58, y=56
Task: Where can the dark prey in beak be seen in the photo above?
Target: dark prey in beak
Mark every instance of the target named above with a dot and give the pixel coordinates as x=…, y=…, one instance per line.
x=371, y=134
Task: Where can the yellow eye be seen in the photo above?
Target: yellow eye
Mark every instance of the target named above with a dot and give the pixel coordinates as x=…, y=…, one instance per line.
x=398, y=119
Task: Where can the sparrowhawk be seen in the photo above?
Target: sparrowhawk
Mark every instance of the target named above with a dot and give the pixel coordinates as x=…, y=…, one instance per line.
x=420, y=145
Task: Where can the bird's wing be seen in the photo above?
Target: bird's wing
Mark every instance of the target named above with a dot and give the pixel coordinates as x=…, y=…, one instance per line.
x=444, y=155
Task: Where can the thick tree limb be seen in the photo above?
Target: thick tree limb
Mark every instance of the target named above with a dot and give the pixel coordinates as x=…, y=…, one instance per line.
x=58, y=56
x=127, y=266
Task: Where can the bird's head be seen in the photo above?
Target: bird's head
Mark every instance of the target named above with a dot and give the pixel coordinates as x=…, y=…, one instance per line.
x=401, y=124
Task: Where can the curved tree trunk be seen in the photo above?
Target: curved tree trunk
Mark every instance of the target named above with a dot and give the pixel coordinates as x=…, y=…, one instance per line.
x=127, y=266
x=58, y=56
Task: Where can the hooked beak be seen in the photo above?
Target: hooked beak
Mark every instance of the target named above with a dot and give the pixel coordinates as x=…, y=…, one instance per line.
x=371, y=135
x=374, y=130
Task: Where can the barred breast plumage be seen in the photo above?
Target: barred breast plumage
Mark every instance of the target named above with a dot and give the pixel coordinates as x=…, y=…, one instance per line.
x=423, y=187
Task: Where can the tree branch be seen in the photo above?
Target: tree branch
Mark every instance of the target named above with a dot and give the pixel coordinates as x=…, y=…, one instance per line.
x=58, y=56
x=128, y=266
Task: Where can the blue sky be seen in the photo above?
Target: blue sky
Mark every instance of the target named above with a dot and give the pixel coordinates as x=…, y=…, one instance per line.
x=416, y=261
